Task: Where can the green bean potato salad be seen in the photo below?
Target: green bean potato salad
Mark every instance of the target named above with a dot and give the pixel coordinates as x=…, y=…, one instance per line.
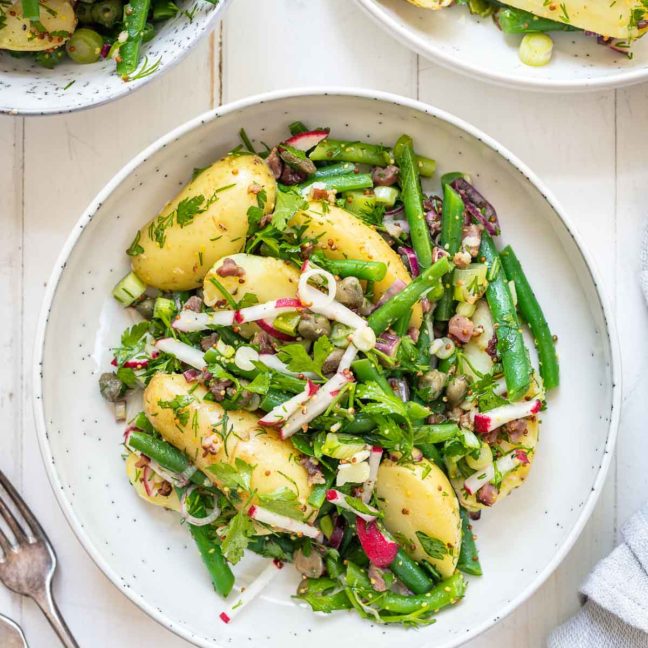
x=333, y=372
x=85, y=31
x=613, y=24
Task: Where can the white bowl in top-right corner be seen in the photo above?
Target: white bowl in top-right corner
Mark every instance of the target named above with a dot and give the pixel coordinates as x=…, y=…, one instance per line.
x=476, y=47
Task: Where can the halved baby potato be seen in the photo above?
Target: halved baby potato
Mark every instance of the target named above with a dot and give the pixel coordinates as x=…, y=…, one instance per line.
x=417, y=497
x=206, y=221
x=266, y=277
x=341, y=235
x=18, y=34
x=276, y=463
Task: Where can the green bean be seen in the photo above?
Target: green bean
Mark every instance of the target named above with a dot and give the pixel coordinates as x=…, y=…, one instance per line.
x=412, y=197
x=452, y=220
x=207, y=542
x=341, y=168
x=532, y=314
x=339, y=183
x=445, y=364
x=411, y=574
x=384, y=316
x=366, y=371
x=402, y=324
x=362, y=153
x=518, y=21
x=135, y=14
x=435, y=433
x=368, y=270
x=149, y=33
x=468, y=556
x=84, y=46
x=510, y=344
x=168, y=456
x=445, y=593
x=361, y=424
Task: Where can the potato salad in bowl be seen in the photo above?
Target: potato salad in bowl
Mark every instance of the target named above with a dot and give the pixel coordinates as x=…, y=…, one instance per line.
x=335, y=370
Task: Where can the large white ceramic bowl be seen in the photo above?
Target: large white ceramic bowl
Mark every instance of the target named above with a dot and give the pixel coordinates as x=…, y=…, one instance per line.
x=29, y=89
x=145, y=551
x=475, y=46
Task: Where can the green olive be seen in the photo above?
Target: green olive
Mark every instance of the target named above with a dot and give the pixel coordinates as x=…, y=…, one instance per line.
x=107, y=12
x=84, y=46
x=83, y=12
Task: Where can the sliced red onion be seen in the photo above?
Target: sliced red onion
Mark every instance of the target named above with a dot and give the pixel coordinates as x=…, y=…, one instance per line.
x=412, y=261
x=340, y=500
x=271, y=330
x=283, y=411
x=504, y=465
x=183, y=352
x=191, y=375
x=285, y=523
x=146, y=477
x=477, y=206
x=388, y=343
x=374, y=464
x=338, y=532
x=491, y=420
x=317, y=404
x=400, y=388
x=396, y=287
x=196, y=521
x=249, y=593
x=272, y=361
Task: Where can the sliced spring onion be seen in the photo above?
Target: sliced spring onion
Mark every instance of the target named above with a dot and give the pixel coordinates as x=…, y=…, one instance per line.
x=536, y=49
x=130, y=288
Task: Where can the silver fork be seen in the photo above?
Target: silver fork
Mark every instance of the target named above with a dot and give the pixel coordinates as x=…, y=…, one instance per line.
x=27, y=565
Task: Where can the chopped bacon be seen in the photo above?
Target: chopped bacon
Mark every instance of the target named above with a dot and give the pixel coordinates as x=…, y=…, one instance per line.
x=275, y=163
x=460, y=328
x=385, y=176
x=315, y=474
x=194, y=303
x=516, y=430
x=229, y=268
x=487, y=494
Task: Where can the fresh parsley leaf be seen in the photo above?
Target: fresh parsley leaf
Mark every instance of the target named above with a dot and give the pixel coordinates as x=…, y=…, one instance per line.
x=133, y=341
x=127, y=376
x=298, y=360
x=179, y=406
x=239, y=530
x=235, y=477
x=260, y=384
x=288, y=204
x=284, y=502
x=433, y=547
x=383, y=403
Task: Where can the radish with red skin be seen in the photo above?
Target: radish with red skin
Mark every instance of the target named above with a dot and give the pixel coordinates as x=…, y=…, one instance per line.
x=308, y=140
x=271, y=330
x=284, y=523
x=379, y=549
x=340, y=499
x=491, y=420
x=280, y=413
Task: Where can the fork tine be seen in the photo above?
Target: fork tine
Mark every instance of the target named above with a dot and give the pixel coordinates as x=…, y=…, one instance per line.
x=12, y=522
x=37, y=530
x=5, y=545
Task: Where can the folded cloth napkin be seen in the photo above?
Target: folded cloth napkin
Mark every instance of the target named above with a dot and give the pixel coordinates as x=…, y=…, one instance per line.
x=615, y=614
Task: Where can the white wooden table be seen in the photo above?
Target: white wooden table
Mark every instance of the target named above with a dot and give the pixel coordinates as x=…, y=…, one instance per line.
x=591, y=149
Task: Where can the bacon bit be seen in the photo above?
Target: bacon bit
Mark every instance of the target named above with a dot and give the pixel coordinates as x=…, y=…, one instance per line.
x=229, y=268
x=165, y=489
x=211, y=445
x=142, y=462
x=322, y=194
x=255, y=188
x=487, y=494
x=460, y=328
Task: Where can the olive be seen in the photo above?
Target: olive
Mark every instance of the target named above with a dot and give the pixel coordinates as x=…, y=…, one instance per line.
x=107, y=12
x=84, y=46
x=83, y=12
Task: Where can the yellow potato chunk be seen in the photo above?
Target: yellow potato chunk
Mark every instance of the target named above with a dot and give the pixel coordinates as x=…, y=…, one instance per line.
x=206, y=221
x=341, y=235
x=418, y=497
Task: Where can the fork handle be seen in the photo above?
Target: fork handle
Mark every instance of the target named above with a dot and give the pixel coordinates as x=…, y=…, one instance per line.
x=47, y=604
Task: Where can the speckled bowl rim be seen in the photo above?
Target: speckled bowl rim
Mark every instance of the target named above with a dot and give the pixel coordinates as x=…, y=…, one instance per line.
x=128, y=88
x=428, y=50
x=198, y=122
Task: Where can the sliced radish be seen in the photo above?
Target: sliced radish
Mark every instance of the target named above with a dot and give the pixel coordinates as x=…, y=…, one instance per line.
x=280, y=413
x=185, y=353
x=285, y=523
x=491, y=420
x=374, y=464
x=342, y=501
x=317, y=404
x=271, y=330
x=308, y=140
x=268, y=310
x=272, y=361
x=249, y=593
x=347, y=358
x=380, y=550
x=504, y=465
